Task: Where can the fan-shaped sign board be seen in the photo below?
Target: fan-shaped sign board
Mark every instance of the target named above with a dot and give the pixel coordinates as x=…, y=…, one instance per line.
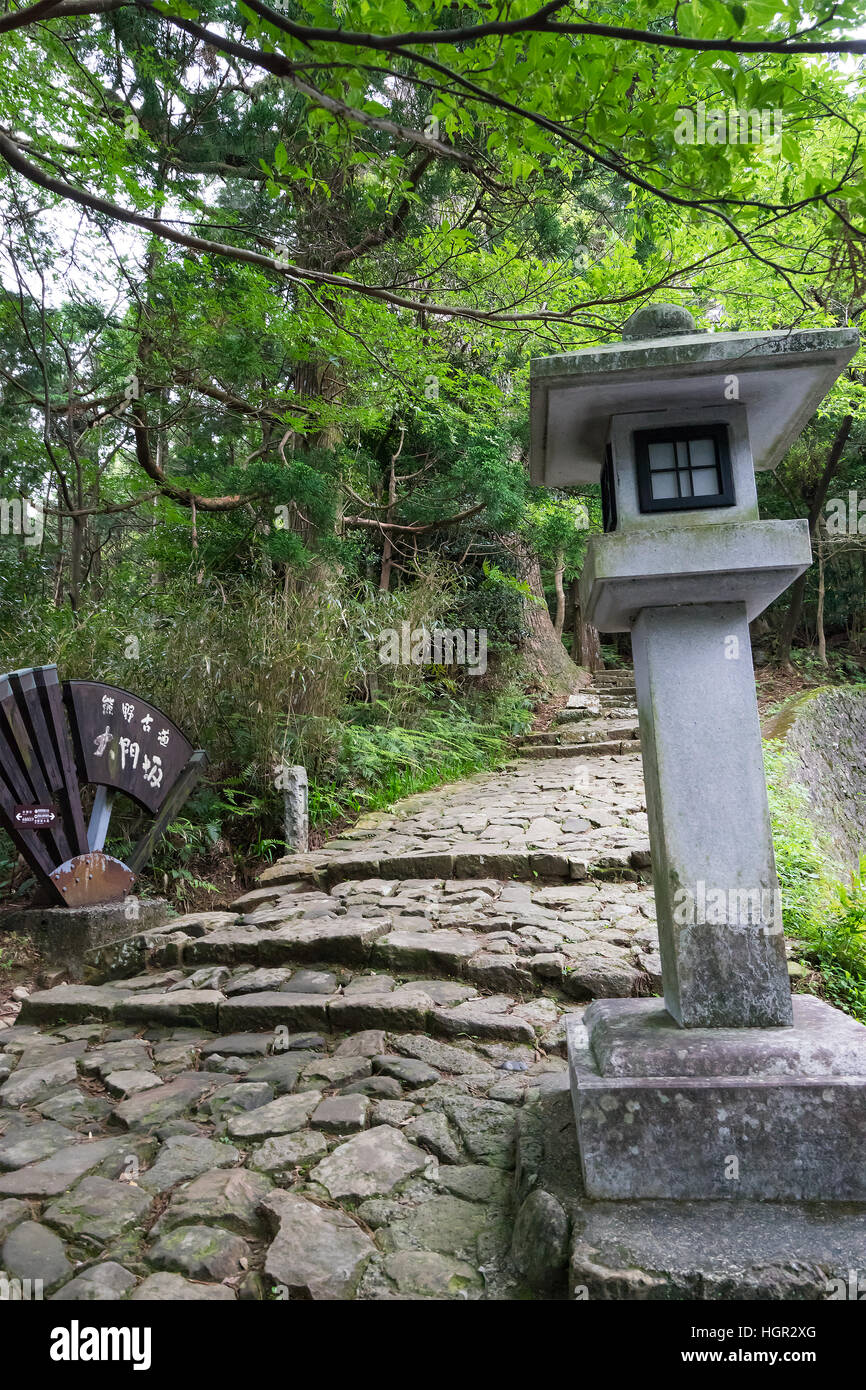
x=52, y=742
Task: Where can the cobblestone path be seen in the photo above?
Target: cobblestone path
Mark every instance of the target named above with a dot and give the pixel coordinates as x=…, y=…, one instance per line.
x=320, y=1093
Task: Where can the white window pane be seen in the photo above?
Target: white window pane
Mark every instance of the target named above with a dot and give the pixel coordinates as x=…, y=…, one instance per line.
x=706, y=482
x=682, y=453
x=661, y=455
x=664, y=485
x=685, y=484
x=703, y=452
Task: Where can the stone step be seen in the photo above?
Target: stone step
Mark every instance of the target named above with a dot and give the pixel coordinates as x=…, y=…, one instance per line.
x=580, y=716
x=410, y=1008
x=302, y=973
x=234, y=1140
x=375, y=1011
x=582, y=750
x=612, y=731
x=477, y=828
x=584, y=699
x=489, y=859
x=328, y=870
x=507, y=958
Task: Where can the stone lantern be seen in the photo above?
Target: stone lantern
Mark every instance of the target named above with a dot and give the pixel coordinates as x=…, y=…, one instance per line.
x=727, y=1090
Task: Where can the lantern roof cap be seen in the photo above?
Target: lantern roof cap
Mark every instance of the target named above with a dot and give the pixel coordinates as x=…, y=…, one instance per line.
x=658, y=321
x=779, y=376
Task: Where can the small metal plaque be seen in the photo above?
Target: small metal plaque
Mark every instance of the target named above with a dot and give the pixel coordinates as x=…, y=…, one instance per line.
x=36, y=817
x=89, y=879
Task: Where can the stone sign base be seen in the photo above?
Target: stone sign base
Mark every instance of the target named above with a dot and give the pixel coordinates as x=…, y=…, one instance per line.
x=62, y=935
x=767, y=1114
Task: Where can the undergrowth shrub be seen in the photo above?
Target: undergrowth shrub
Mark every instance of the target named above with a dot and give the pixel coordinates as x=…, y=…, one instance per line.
x=262, y=677
x=802, y=856
x=838, y=944
x=826, y=916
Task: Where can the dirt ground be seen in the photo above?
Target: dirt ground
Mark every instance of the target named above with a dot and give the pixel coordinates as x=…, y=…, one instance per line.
x=775, y=684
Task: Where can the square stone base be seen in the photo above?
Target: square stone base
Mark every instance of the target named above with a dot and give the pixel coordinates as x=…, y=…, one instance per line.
x=718, y=1251
x=62, y=935
x=769, y=1114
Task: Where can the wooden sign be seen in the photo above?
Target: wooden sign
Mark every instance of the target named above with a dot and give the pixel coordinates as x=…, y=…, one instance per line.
x=125, y=743
x=36, y=817
x=54, y=742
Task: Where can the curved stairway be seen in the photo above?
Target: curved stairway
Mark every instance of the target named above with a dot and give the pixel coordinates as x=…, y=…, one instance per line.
x=599, y=721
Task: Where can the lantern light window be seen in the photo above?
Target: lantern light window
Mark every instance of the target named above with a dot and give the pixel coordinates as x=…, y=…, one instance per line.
x=683, y=468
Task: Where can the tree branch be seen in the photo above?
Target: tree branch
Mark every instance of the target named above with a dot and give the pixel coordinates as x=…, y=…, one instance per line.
x=537, y=23
x=374, y=524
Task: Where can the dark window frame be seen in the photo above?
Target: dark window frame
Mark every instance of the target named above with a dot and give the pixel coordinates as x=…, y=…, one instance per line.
x=608, y=493
x=673, y=435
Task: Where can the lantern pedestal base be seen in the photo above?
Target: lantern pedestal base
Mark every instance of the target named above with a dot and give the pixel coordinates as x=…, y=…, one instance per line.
x=767, y=1114
x=730, y=1252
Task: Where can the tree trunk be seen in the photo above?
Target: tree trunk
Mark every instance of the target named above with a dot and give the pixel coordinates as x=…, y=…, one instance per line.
x=76, y=559
x=559, y=617
x=586, y=645
x=795, y=607
x=315, y=381
x=388, y=545
x=546, y=656
x=819, y=619
x=58, y=567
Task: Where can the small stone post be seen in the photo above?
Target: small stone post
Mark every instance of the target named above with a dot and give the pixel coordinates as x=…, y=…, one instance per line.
x=296, y=814
x=722, y=948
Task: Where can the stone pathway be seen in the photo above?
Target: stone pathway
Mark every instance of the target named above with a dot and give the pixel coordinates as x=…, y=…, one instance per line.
x=321, y=1092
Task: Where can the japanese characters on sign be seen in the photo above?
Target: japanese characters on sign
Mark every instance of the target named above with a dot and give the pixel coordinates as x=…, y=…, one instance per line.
x=124, y=742
x=129, y=744
x=36, y=817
